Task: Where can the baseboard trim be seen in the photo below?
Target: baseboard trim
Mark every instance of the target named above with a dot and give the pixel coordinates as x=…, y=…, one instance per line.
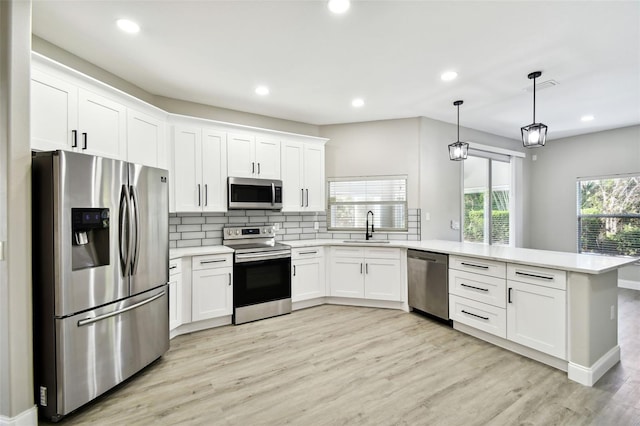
x=588, y=376
x=200, y=325
x=26, y=418
x=632, y=285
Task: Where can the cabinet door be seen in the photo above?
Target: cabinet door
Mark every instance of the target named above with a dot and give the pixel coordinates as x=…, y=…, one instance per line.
x=145, y=136
x=175, y=301
x=211, y=294
x=241, y=155
x=347, y=277
x=267, y=158
x=214, y=171
x=314, y=185
x=187, y=173
x=536, y=317
x=307, y=279
x=102, y=124
x=292, y=175
x=54, y=113
x=382, y=279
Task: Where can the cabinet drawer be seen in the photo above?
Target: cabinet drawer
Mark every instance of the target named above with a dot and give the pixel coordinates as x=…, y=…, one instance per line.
x=492, y=268
x=306, y=253
x=347, y=251
x=212, y=261
x=381, y=253
x=175, y=266
x=546, y=277
x=480, y=288
x=490, y=319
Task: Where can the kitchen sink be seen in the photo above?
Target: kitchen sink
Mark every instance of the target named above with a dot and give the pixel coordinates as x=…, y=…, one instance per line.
x=367, y=241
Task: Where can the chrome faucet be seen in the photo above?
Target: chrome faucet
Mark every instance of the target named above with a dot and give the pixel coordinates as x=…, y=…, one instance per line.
x=368, y=235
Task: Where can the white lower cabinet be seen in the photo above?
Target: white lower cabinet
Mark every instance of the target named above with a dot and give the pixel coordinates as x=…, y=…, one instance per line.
x=307, y=274
x=175, y=293
x=537, y=313
x=211, y=286
x=367, y=273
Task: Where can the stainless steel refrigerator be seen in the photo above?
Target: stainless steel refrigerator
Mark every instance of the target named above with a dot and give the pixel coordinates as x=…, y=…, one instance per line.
x=100, y=273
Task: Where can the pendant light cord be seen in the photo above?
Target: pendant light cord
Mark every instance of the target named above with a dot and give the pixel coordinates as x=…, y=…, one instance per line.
x=534, y=100
x=459, y=123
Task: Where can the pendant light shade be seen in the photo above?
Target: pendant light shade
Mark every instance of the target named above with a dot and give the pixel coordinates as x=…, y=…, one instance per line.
x=535, y=134
x=458, y=150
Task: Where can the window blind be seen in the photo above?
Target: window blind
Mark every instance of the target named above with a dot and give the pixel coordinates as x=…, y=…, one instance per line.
x=350, y=200
x=609, y=215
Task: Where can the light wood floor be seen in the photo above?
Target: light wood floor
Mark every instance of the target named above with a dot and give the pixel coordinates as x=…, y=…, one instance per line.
x=336, y=365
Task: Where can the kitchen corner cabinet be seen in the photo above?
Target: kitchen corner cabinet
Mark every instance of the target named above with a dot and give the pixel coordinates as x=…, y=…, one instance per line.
x=175, y=293
x=65, y=116
x=199, y=169
x=366, y=273
x=307, y=273
x=211, y=286
x=536, y=309
x=303, y=176
x=145, y=139
x=252, y=156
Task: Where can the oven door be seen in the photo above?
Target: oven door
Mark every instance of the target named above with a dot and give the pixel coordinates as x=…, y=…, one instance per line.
x=261, y=281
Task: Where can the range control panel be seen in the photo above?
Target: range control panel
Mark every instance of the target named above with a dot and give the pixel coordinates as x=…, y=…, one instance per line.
x=238, y=232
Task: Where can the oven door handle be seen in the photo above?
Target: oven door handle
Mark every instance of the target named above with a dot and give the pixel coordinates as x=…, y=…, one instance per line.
x=249, y=257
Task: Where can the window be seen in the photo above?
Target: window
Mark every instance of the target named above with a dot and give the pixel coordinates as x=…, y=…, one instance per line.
x=351, y=198
x=487, y=198
x=609, y=215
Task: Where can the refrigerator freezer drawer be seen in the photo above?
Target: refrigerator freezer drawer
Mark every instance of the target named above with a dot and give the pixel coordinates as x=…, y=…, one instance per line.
x=98, y=349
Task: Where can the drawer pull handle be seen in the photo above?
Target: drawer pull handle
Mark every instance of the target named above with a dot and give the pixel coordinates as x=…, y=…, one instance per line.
x=475, y=288
x=309, y=252
x=173, y=267
x=475, y=266
x=203, y=262
x=542, y=277
x=474, y=315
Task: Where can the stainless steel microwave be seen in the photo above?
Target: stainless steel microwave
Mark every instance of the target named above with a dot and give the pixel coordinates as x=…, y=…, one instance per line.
x=260, y=194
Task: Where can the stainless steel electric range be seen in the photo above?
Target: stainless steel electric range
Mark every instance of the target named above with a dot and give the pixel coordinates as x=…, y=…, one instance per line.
x=261, y=273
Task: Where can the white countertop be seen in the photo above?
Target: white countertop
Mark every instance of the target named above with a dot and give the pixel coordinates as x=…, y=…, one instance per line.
x=585, y=263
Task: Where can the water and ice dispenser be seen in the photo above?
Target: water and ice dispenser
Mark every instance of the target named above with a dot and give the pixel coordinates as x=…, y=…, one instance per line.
x=90, y=237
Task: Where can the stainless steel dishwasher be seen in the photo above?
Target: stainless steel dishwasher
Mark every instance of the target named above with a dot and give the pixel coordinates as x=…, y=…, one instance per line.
x=428, y=282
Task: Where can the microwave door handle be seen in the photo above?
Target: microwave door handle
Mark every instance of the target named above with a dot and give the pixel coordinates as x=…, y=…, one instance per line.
x=273, y=193
x=136, y=225
x=124, y=228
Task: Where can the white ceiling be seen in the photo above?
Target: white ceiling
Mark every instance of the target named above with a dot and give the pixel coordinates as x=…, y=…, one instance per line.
x=390, y=53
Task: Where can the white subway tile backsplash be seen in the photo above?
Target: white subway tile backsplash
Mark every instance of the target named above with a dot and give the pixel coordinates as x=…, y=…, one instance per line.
x=195, y=229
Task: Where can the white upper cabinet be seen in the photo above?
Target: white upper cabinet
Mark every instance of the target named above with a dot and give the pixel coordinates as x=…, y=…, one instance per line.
x=250, y=156
x=102, y=126
x=199, y=170
x=54, y=113
x=145, y=137
x=303, y=176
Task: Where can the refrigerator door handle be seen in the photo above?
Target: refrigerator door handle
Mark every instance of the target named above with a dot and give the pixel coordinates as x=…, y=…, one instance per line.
x=125, y=231
x=88, y=321
x=135, y=224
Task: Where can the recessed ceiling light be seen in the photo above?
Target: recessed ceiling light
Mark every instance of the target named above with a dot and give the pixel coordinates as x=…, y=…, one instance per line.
x=262, y=90
x=128, y=26
x=357, y=103
x=338, y=6
x=587, y=118
x=448, y=75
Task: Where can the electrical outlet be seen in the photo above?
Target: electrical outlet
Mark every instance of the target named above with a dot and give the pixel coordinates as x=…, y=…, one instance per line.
x=276, y=226
x=427, y=216
x=316, y=225
x=455, y=225
x=613, y=312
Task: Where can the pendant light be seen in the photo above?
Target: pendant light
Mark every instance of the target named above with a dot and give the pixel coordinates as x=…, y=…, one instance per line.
x=458, y=150
x=535, y=134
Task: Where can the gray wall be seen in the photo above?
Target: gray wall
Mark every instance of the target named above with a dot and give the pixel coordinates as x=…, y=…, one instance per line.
x=375, y=148
x=175, y=106
x=16, y=351
x=553, y=183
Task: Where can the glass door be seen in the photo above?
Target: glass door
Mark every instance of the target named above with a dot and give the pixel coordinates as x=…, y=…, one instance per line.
x=487, y=200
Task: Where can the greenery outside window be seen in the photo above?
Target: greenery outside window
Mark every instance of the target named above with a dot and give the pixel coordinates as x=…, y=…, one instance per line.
x=349, y=200
x=609, y=215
